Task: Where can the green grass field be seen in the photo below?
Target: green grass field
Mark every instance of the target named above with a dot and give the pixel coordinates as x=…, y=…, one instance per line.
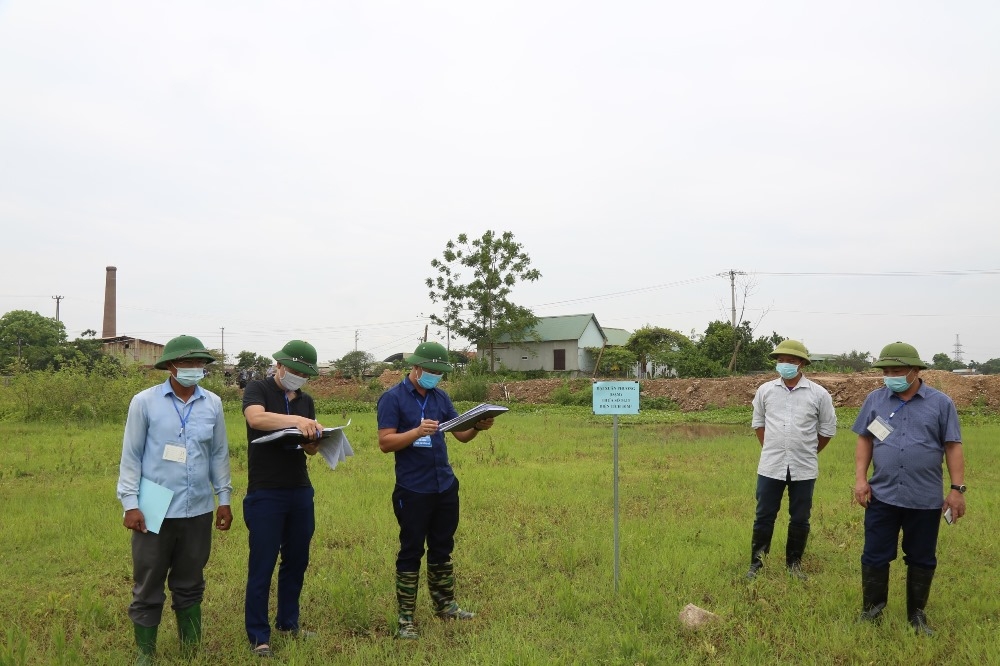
x=534, y=554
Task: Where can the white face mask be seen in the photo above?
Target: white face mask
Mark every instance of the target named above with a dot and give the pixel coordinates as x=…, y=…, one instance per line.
x=291, y=382
x=188, y=377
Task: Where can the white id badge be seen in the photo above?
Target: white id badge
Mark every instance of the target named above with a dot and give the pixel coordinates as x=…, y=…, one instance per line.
x=880, y=428
x=423, y=442
x=175, y=453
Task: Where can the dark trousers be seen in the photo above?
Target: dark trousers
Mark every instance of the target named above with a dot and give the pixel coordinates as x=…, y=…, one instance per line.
x=883, y=523
x=177, y=556
x=279, y=521
x=425, y=517
x=800, y=501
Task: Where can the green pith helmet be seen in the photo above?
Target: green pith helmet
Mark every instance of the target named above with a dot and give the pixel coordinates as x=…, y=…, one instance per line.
x=183, y=348
x=791, y=348
x=899, y=354
x=298, y=355
x=430, y=356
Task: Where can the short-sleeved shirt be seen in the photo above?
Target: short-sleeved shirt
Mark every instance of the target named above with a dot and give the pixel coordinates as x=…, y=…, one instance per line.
x=421, y=469
x=273, y=464
x=908, y=462
x=793, y=420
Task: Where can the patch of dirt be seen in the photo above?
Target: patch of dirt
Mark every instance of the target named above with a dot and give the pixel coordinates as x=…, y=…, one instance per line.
x=848, y=390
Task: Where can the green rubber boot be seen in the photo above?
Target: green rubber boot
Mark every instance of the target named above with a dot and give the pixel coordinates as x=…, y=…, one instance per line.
x=189, y=628
x=145, y=640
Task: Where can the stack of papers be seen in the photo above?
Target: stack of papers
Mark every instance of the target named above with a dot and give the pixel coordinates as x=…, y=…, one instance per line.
x=472, y=417
x=333, y=443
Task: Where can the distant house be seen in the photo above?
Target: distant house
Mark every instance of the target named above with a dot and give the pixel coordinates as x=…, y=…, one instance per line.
x=556, y=344
x=132, y=350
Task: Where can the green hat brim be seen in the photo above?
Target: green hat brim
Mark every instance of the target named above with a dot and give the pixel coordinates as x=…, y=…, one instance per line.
x=900, y=362
x=436, y=367
x=298, y=365
x=184, y=355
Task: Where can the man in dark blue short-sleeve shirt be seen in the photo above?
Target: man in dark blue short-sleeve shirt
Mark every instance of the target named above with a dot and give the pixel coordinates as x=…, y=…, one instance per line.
x=425, y=499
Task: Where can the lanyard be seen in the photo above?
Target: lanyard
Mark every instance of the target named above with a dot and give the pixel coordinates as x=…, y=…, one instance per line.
x=902, y=403
x=184, y=419
x=422, y=404
x=288, y=409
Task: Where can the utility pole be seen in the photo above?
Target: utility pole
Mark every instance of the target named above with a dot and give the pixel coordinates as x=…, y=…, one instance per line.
x=731, y=274
x=57, y=299
x=425, y=332
x=223, y=329
x=957, y=356
x=356, y=333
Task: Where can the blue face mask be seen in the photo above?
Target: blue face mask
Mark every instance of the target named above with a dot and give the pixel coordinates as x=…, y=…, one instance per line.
x=897, y=384
x=787, y=370
x=190, y=376
x=427, y=380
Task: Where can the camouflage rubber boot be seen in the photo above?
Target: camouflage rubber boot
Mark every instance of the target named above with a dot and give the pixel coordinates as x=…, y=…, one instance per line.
x=441, y=583
x=406, y=596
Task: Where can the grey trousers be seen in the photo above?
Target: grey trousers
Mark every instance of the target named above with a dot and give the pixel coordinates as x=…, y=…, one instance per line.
x=177, y=556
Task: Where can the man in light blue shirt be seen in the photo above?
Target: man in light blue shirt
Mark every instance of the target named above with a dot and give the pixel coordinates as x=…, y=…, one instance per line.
x=794, y=420
x=175, y=437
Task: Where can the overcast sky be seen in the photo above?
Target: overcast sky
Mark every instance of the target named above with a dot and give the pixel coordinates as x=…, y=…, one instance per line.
x=289, y=169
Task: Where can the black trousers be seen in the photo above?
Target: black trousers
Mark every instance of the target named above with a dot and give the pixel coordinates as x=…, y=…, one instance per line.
x=430, y=518
x=177, y=556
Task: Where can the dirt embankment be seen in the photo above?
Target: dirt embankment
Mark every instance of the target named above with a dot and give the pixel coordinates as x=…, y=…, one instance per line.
x=848, y=390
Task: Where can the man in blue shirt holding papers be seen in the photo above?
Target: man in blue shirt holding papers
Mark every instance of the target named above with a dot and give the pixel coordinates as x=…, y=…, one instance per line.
x=425, y=499
x=175, y=437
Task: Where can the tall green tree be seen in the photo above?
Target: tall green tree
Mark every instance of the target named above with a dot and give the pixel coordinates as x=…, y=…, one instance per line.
x=673, y=349
x=945, y=362
x=28, y=340
x=248, y=360
x=736, y=349
x=477, y=307
x=355, y=364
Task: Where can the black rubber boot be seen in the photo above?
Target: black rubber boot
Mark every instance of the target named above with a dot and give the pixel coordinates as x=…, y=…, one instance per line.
x=918, y=589
x=795, y=547
x=874, y=592
x=760, y=545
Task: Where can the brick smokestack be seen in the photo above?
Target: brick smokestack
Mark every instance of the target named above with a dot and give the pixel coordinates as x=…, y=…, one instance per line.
x=110, y=302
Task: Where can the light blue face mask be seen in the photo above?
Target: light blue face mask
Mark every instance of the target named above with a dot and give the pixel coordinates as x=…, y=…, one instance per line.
x=897, y=384
x=428, y=380
x=787, y=370
x=190, y=376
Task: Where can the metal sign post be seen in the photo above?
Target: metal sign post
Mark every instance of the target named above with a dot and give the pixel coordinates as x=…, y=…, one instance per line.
x=616, y=398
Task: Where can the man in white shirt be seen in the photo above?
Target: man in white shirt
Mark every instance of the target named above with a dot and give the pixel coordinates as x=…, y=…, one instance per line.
x=794, y=420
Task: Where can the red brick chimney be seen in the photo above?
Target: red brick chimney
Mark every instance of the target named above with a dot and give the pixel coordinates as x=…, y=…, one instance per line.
x=110, y=302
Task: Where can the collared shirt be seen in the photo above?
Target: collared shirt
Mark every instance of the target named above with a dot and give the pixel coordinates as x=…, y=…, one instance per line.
x=422, y=469
x=793, y=421
x=155, y=420
x=908, y=463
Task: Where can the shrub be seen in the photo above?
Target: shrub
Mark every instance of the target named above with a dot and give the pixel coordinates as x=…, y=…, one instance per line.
x=473, y=388
x=565, y=395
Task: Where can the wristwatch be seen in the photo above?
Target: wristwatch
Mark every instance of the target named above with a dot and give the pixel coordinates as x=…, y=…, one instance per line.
x=960, y=488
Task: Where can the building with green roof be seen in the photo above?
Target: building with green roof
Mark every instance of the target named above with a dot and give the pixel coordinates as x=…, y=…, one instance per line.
x=556, y=344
